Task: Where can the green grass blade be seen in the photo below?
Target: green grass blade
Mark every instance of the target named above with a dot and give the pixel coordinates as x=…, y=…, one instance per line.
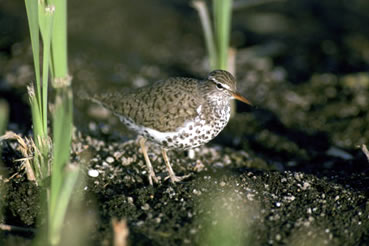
x=62, y=136
x=203, y=12
x=41, y=17
x=59, y=39
x=35, y=109
x=4, y=116
x=63, y=123
x=32, y=14
x=37, y=127
x=48, y=16
x=222, y=10
x=36, y=104
x=57, y=219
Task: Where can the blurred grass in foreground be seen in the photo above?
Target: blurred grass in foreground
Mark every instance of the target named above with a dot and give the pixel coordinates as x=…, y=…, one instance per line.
x=4, y=115
x=229, y=219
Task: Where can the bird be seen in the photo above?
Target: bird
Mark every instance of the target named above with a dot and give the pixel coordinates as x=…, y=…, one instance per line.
x=177, y=113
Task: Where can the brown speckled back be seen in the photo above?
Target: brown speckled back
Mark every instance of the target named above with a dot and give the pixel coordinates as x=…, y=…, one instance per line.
x=163, y=106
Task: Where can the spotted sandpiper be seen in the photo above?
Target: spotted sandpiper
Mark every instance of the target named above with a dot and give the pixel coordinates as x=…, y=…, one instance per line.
x=177, y=113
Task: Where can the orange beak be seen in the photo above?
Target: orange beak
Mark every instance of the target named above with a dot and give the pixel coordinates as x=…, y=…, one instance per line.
x=240, y=98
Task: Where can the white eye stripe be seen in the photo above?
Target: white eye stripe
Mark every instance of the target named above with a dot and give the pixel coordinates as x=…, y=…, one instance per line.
x=225, y=86
x=213, y=79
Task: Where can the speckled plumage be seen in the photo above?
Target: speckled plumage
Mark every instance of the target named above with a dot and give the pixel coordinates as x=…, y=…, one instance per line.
x=177, y=113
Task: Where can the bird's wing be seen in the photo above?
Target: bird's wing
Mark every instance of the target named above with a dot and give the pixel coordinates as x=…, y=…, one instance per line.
x=163, y=106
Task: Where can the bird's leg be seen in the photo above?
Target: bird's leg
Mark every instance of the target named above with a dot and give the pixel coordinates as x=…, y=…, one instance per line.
x=172, y=175
x=152, y=176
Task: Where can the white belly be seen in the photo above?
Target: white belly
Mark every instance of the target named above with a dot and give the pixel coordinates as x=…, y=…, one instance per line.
x=192, y=134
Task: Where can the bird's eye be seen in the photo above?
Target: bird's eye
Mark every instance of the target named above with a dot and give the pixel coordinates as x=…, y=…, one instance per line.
x=219, y=86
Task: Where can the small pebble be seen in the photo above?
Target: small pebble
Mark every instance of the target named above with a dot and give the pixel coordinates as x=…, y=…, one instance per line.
x=109, y=159
x=92, y=126
x=140, y=223
x=130, y=199
x=145, y=207
x=191, y=154
x=117, y=154
x=93, y=173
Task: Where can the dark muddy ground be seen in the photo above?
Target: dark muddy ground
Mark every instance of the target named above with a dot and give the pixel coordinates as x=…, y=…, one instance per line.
x=287, y=172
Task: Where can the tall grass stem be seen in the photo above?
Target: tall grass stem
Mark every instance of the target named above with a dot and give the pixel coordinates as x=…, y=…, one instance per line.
x=203, y=12
x=222, y=11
